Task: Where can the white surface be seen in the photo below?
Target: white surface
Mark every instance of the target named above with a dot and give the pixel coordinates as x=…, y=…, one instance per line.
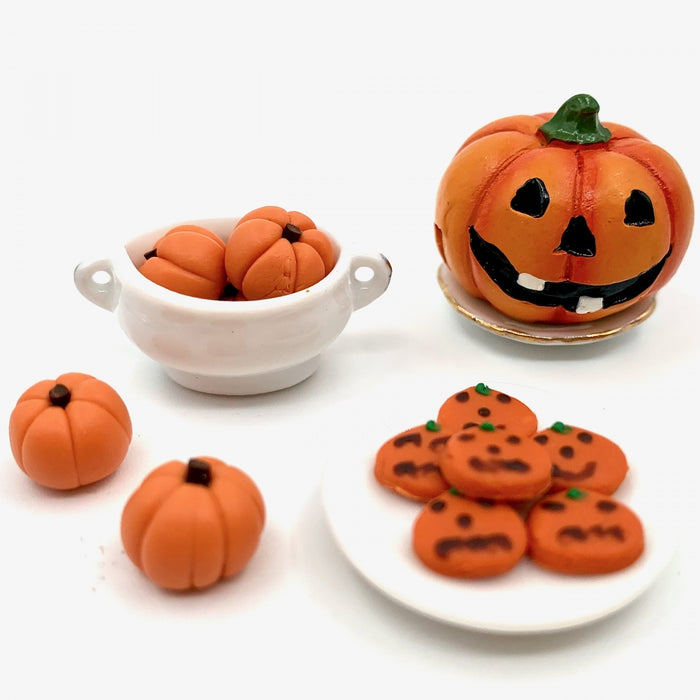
x=122, y=118
x=526, y=600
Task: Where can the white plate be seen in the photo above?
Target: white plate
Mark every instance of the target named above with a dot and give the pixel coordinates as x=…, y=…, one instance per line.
x=486, y=316
x=372, y=527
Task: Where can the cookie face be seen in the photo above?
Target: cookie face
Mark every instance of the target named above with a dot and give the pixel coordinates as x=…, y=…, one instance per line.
x=460, y=537
x=408, y=463
x=485, y=462
x=584, y=532
x=479, y=404
x=583, y=459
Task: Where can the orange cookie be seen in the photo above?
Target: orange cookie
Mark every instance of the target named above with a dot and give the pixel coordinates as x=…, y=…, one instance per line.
x=188, y=259
x=460, y=537
x=479, y=403
x=584, y=532
x=485, y=462
x=408, y=463
x=583, y=459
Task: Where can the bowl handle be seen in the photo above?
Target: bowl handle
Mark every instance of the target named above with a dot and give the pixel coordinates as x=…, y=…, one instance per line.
x=97, y=282
x=366, y=288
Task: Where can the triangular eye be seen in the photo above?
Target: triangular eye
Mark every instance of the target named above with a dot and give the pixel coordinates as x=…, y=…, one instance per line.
x=531, y=198
x=639, y=211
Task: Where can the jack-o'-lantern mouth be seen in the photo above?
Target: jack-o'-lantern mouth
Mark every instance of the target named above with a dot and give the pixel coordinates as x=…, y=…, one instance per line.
x=475, y=543
x=579, y=534
x=572, y=296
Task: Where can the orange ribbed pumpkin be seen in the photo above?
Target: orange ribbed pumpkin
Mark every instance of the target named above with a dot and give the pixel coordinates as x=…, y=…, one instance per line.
x=561, y=219
x=189, y=525
x=189, y=260
x=272, y=252
x=71, y=431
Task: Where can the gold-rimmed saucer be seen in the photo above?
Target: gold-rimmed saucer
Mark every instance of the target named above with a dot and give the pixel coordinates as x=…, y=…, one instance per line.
x=483, y=314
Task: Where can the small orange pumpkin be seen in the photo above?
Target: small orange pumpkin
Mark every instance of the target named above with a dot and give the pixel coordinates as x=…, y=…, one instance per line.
x=190, y=525
x=561, y=219
x=71, y=431
x=272, y=252
x=188, y=259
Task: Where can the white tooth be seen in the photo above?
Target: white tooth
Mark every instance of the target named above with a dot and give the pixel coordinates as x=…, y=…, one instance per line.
x=530, y=282
x=588, y=304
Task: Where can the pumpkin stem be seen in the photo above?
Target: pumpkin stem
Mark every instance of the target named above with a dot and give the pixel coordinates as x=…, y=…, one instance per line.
x=59, y=396
x=577, y=122
x=198, y=472
x=292, y=233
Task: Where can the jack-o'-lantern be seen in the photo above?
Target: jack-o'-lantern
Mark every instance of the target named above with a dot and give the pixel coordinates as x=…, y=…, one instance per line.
x=69, y=432
x=272, y=252
x=465, y=538
x=561, y=218
x=584, y=532
x=190, y=525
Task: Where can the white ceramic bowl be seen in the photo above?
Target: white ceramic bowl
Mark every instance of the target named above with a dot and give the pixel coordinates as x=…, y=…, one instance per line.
x=231, y=347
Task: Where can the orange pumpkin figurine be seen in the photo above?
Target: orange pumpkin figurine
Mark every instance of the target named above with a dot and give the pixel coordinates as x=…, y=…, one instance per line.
x=272, y=252
x=71, y=431
x=190, y=525
x=188, y=259
x=558, y=218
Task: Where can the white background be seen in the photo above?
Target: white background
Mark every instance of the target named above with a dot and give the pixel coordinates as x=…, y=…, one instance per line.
x=119, y=118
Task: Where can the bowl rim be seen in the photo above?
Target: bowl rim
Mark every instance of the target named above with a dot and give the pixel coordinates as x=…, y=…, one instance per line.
x=127, y=271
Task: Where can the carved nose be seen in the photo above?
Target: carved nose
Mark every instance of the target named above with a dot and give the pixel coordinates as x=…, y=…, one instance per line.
x=577, y=239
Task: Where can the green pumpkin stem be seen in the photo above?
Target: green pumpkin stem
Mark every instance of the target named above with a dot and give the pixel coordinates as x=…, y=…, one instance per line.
x=59, y=396
x=198, y=472
x=577, y=121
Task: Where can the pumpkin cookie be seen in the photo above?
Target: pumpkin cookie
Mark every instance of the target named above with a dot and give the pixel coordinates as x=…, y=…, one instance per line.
x=408, y=463
x=584, y=532
x=480, y=403
x=485, y=462
x=583, y=459
x=460, y=537
x=188, y=259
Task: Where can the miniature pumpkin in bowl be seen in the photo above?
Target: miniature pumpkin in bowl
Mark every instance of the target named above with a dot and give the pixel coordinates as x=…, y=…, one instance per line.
x=559, y=218
x=189, y=525
x=188, y=259
x=272, y=252
x=69, y=432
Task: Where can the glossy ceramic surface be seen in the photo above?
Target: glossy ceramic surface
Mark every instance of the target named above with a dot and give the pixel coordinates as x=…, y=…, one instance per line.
x=231, y=347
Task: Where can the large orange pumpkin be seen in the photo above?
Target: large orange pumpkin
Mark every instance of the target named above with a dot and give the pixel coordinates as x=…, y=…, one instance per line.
x=70, y=431
x=560, y=218
x=272, y=252
x=190, y=525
